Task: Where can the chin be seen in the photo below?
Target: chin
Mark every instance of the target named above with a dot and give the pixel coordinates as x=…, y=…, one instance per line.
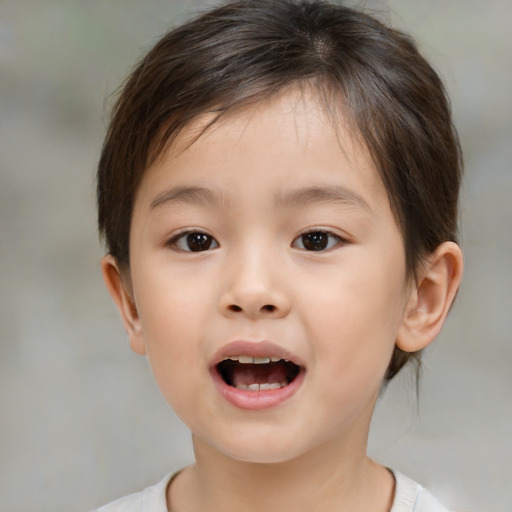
x=260, y=450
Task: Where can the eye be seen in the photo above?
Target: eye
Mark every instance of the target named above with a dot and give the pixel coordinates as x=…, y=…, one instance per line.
x=317, y=241
x=193, y=241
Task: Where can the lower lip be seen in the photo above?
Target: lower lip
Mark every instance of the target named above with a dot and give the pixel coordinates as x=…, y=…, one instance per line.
x=256, y=400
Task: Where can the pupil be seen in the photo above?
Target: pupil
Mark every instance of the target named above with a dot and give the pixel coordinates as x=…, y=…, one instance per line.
x=198, y=241
x=316, y=241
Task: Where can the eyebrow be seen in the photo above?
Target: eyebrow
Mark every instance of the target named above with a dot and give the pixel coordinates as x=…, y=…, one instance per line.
x=322, y=194
x=296, y=198
x=190, y=195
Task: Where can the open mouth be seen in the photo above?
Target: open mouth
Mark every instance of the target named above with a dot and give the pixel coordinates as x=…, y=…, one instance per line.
x=257, y=373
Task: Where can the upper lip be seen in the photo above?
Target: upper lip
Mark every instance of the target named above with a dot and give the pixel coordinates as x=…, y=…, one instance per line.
x=254, y=349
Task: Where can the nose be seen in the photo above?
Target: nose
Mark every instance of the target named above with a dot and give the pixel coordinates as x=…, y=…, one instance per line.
x=255, y=288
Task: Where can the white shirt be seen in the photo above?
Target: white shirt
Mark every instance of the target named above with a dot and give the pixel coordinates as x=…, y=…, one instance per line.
x=409, y=497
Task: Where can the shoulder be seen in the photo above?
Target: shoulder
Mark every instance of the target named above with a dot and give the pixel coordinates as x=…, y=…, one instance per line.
x=151, y=499
x=413, y=497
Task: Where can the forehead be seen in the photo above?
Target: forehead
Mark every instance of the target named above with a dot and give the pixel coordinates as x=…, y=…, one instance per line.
x=302, y=100
x=294, y=131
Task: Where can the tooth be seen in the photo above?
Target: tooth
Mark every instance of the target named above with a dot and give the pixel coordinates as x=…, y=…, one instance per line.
x=284, y=383
x=246, y=359
x=261, y=360
x=232, y=358
x=253, y=387
x=272, y=385
x=241, y=386
x=275, y=359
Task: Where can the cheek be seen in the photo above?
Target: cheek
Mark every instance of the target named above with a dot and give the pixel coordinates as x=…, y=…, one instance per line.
x=354, y=321
x=172, y=325
x=173, y=350
x=364, y=302
x=170, y=302
x=353, y=347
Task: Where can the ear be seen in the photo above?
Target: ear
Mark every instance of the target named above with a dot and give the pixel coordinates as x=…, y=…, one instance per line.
x=431, y=298
x=120, y=288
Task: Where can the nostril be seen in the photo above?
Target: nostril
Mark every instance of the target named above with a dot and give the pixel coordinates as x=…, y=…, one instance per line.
x=267, y=307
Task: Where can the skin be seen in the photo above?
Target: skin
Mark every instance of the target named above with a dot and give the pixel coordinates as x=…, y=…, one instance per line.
x=339, y=311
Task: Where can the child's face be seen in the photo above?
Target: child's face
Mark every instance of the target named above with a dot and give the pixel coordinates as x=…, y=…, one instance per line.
x=270, y=236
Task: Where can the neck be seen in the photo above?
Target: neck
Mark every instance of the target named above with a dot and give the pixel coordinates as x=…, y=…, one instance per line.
x=333, y=476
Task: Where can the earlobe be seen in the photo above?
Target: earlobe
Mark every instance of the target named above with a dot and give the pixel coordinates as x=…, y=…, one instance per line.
x=431, y=298
x=120, y=290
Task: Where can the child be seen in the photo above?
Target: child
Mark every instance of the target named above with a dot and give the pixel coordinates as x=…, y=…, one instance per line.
x=278, y=192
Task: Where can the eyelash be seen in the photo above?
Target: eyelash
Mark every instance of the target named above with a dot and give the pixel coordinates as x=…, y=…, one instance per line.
x=321, y=240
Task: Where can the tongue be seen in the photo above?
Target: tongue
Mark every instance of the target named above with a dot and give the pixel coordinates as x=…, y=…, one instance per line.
x=247, y=374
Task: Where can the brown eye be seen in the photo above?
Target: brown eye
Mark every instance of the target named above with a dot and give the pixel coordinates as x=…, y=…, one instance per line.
x=194, y=241
x=199, y=242
x=317, y=241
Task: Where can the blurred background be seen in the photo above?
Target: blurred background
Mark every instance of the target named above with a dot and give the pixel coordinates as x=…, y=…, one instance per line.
x=81, y=420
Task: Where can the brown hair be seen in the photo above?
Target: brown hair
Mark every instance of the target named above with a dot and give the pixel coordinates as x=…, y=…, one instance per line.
x=247, y=50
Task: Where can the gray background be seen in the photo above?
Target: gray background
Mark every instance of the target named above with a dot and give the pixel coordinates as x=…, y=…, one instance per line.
x=81, y=420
